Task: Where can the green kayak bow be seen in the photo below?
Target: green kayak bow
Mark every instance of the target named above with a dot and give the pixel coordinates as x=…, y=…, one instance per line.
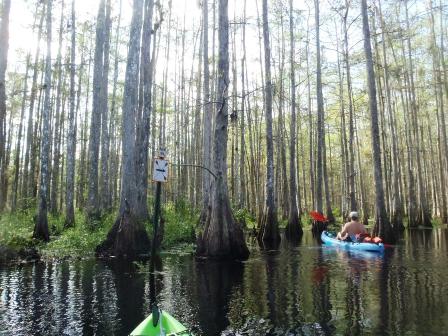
x=166, y=326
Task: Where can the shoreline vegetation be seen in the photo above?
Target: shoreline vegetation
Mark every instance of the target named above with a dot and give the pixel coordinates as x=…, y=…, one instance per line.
x=17, y=244
x=179, y=233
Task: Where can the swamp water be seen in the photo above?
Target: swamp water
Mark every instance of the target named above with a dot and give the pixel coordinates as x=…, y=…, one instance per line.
x=305, y=289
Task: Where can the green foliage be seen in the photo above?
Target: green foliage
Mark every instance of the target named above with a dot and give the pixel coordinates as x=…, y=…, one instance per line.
x=180, y=223
x=337, y=213
x=436, y=222
x=16, y=230
x=306, y=219
x=79, y=241
x=282, y=223
x=245, y=218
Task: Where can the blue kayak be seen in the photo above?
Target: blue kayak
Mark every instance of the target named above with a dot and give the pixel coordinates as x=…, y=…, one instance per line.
x=330, y=240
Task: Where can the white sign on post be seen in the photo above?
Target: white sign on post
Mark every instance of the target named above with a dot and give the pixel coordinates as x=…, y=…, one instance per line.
x=160, y=173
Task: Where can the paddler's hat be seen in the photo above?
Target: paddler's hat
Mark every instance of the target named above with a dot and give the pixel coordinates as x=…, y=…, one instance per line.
x=354, y=214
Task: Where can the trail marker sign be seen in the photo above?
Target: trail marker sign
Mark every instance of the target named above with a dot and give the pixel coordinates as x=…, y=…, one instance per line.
x=160, y=173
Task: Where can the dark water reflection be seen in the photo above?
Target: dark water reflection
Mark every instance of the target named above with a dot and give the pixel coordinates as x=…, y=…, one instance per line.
x=302, y=289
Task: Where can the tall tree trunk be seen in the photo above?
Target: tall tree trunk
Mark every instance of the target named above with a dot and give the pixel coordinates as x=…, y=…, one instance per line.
x=4, y=43
x=142, y=142
x=294, y=227
x=345, y=193
x=15, y=186
x=206, y=119
x=93, y=202
x=382, y=226
x=35, y=144
x=114, y=160
x=71, y=138
x=83, y=167
x=319, y=226
x=269, y=234
x=351, y=160
x=329, y=210
x=127, y=237
x=105, y=198
x=242, y=201
x=397, y=207
x=441, y=127
x=223, y=237
x=58, y=118
x=310, y=118
x=28, y=179
x=41, y=223
x=284, y=203
x=424, y=216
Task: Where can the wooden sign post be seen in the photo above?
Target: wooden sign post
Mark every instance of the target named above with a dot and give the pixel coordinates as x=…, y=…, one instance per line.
x=159, y=176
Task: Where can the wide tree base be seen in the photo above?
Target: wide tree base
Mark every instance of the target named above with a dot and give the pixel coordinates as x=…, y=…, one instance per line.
x=293, y=231
x=41, y=225
x=330, y=216
x=269, y=235
x=126, y=239
x=384, y=230
x=397, y=224
x=222, y=237
x=318, y=227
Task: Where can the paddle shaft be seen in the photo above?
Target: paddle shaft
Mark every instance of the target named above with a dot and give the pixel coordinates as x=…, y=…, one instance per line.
x=156, y=217
x=153, y=296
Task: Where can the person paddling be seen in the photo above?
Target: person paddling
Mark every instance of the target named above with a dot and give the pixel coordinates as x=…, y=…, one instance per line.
x=352, y=228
